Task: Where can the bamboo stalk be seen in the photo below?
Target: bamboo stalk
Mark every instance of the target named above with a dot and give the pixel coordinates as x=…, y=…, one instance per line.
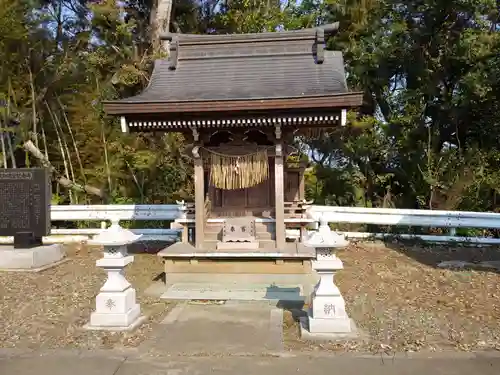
x=136, y=181
x=44, y=138
x=9, y=133
x=106, y=159
x=11, y=151
x=61, y=148
x=4, y=153
x=66, y=149
x=105, y=145
x=33, y=106
x=77, y=152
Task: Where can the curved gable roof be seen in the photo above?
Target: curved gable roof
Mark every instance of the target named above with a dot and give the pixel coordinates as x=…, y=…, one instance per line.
x=242, y=67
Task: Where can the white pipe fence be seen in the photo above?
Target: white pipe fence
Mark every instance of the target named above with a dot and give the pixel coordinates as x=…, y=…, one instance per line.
x=451, y=220
x=399, y=217
x=117, y=212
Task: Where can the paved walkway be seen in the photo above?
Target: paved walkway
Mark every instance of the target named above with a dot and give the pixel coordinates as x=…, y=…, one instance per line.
x=235, y=338
x=236, y=328
x=112, y=363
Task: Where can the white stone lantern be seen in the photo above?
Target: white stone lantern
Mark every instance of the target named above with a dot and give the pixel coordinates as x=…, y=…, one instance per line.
x=327, y=317
x=116, y=307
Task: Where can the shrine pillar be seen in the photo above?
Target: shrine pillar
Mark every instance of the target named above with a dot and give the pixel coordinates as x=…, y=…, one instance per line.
x=279, y=191
x=199, y=198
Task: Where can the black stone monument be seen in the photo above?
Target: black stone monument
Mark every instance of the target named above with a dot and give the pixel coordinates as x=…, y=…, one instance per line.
x=25, y=195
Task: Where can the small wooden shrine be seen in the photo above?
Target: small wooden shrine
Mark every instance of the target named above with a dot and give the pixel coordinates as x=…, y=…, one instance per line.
x=240, y=100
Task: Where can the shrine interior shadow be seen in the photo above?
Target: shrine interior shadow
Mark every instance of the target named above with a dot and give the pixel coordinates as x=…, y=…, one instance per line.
x=289, y=299
x=160, y=277
x=296, y=308
x=274, y=292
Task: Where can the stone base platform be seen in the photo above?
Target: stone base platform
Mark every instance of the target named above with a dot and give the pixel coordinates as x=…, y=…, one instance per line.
x=242, y=246
x=35, y=259
x=184, y=258
x=131, y=327
x=346, y=330
x=235, y=292
x=249, y=287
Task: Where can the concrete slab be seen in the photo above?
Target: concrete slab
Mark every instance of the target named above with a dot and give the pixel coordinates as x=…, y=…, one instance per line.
x=229, y=365
x=307, y=366
x=234, y=291
x=35, y=259
x=244, y=328
x=60, y=365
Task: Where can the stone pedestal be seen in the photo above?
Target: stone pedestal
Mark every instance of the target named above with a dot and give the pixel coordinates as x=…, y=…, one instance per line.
x=36, y=259
x=116, y=307
x=327, y=318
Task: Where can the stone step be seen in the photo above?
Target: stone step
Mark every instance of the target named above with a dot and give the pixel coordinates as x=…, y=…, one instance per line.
x=259, y=227
x=267, y=244
x=213, y=227
x=217, y=235
x=261, y=232
x=262, y=236
x=258, y=237
x=237, y=291
x=265, y=227
x=211, y=244
x=212, y=236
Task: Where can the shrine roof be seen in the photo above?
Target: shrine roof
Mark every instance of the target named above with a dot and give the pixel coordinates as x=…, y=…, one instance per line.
x=237, y=72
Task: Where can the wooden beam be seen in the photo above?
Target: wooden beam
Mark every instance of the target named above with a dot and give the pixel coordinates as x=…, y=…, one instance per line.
x=302, y=184
x=124, y=125
x=319, y=102
x=279, y=192
x=199, y=198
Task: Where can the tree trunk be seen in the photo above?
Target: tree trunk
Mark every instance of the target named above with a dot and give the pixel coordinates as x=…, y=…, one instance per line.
x=160, y=22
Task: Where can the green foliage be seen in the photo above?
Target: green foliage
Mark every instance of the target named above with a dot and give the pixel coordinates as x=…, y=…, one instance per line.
x=426, y=135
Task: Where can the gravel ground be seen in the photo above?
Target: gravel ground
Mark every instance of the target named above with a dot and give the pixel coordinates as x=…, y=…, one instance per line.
x=395, y=294
x=403, y=302
x=48, y=309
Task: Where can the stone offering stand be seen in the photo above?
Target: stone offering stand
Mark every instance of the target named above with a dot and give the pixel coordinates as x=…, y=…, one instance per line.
x=116, y=306
x=327, y=317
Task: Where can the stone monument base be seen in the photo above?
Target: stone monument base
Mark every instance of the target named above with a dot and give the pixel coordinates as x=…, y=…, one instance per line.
x=135, y=324
x=315, y=329
x=35, y=259
x=116, y=311
x=101, y=322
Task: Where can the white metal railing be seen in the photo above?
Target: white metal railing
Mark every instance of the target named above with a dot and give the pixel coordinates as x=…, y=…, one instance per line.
x=354, y=215
x=118, y=212
x=399, y=217
x=112, y=213
x=450, y=220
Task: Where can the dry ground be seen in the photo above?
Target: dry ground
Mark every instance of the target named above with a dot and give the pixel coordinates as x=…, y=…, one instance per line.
x=394, y=293
x=48, y=309
x=403, y=302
